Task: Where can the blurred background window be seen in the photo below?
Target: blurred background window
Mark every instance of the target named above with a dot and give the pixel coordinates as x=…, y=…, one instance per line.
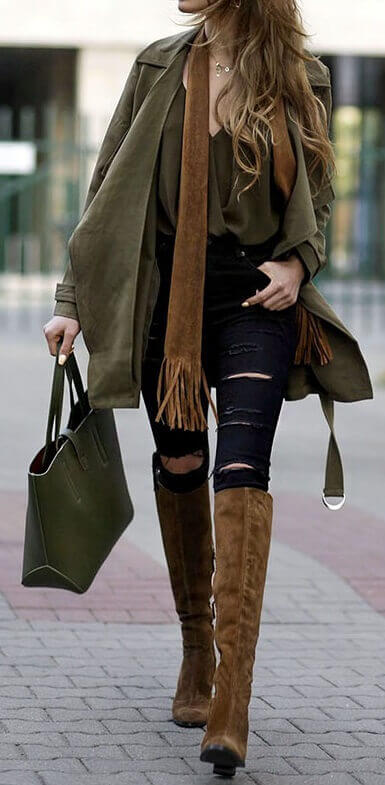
x=356, y=235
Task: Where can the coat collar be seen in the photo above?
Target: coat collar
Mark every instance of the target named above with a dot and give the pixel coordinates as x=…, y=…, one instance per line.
x=162, y=52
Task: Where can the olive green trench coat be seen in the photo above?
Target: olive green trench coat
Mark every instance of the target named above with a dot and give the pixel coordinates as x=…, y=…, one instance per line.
x=111, y=281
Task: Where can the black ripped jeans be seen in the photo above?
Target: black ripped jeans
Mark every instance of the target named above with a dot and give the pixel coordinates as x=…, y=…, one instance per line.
x=246, y=354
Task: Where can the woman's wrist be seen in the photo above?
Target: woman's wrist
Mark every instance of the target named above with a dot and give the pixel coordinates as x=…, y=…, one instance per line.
x=298, y=264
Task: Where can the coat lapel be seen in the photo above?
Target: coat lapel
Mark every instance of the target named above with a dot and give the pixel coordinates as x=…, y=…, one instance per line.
x=132, y=168
x=299, y=221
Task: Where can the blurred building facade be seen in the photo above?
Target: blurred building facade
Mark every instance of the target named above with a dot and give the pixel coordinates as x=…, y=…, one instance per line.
x=62, y=71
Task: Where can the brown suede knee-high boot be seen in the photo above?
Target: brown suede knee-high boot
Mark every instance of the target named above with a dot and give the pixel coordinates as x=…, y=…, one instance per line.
x=185, y=523
x=243, y=522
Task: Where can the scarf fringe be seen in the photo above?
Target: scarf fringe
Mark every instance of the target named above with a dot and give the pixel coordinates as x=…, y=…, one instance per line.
x=180, y=382
x=311, y=336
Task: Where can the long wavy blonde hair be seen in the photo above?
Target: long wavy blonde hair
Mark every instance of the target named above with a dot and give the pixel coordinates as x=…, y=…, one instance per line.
x=269, y=63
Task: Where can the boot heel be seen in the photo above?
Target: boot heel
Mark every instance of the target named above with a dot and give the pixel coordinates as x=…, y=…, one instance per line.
x=225, y=761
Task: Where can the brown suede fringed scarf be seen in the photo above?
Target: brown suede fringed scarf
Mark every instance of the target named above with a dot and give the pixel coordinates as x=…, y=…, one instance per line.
x=181, y=375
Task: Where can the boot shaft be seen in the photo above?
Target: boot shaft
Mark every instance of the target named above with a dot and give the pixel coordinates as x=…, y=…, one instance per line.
x=243, y=524
x=186, y=530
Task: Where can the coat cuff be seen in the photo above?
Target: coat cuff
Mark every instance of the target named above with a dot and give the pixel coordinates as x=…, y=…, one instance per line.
x=65, y=292
x=63, y=308
x=66, y=301
x=309, y=259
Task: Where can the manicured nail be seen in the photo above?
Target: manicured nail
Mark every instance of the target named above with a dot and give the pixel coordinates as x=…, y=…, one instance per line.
x=62, y=359
x=245, y=304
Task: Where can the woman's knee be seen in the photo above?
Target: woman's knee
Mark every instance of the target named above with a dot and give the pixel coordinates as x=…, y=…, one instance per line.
x=239, y=474
x=183, y=464
x=183, y=473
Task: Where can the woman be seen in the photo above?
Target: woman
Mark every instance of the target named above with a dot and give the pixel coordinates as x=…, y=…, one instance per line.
x=191, y=268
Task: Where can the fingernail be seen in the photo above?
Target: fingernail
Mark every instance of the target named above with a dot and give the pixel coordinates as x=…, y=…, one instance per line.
x=62, y=359
x=245, y=304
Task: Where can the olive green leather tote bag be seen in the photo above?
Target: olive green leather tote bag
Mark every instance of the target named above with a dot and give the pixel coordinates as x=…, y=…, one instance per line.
x=78, y=500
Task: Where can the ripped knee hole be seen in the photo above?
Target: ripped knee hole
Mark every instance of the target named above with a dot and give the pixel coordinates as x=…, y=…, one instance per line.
x=236, y=466
x=249, y=375
x=183, y=464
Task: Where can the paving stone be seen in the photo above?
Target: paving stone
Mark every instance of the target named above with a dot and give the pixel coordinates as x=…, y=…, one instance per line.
x=9, y=752
x=343, y=724
x=51, y=693
x=329, y=737
x=371, y=701
x=40, y=752
x=58, y=764
x=29, y=713
x=371, y=739
x=171, y=765
x=317, y=779
x=83, y=739
x=366, y=689
x=154, y=752
x=304, y=749
x=126, y=713
x=194, y=779
x=128, y=778
x=355, y=713
x=49, y=739
x=133, y=698
x=13, y=691
x=336, y=751
x=286, y=714
x=80, y=726
x=305, y=766
x=184, y=737
x=56, y=681
x=19, y=778
x=42, y=672
x=19, y=704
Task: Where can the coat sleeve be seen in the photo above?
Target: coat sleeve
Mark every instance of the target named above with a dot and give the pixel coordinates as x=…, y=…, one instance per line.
x=65, y=292
x=312, y=252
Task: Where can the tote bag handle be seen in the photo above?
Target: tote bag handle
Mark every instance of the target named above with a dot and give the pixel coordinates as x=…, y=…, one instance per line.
x=71, y=370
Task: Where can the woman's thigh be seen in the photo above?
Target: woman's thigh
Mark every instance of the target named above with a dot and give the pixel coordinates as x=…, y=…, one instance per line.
x=253, y=356
x=175, y=442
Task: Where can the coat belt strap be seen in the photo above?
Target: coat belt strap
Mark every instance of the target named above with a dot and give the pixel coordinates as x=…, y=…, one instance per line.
x=334, y=476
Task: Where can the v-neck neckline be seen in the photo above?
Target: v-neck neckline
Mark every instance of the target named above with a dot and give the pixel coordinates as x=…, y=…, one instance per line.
x=212, y=136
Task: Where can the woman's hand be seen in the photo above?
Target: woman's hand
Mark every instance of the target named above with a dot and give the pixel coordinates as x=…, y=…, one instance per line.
x=285, y=284
x=61, y=326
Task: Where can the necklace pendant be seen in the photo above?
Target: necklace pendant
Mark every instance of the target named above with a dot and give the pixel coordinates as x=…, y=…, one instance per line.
x=219, y=68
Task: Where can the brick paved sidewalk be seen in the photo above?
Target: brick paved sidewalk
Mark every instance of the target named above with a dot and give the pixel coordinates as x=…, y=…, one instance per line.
x=89, y=702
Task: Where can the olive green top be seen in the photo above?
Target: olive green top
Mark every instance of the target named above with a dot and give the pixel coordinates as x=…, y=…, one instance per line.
x=225, y=213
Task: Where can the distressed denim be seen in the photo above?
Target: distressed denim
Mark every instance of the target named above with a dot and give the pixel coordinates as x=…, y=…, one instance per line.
x=246, y=354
